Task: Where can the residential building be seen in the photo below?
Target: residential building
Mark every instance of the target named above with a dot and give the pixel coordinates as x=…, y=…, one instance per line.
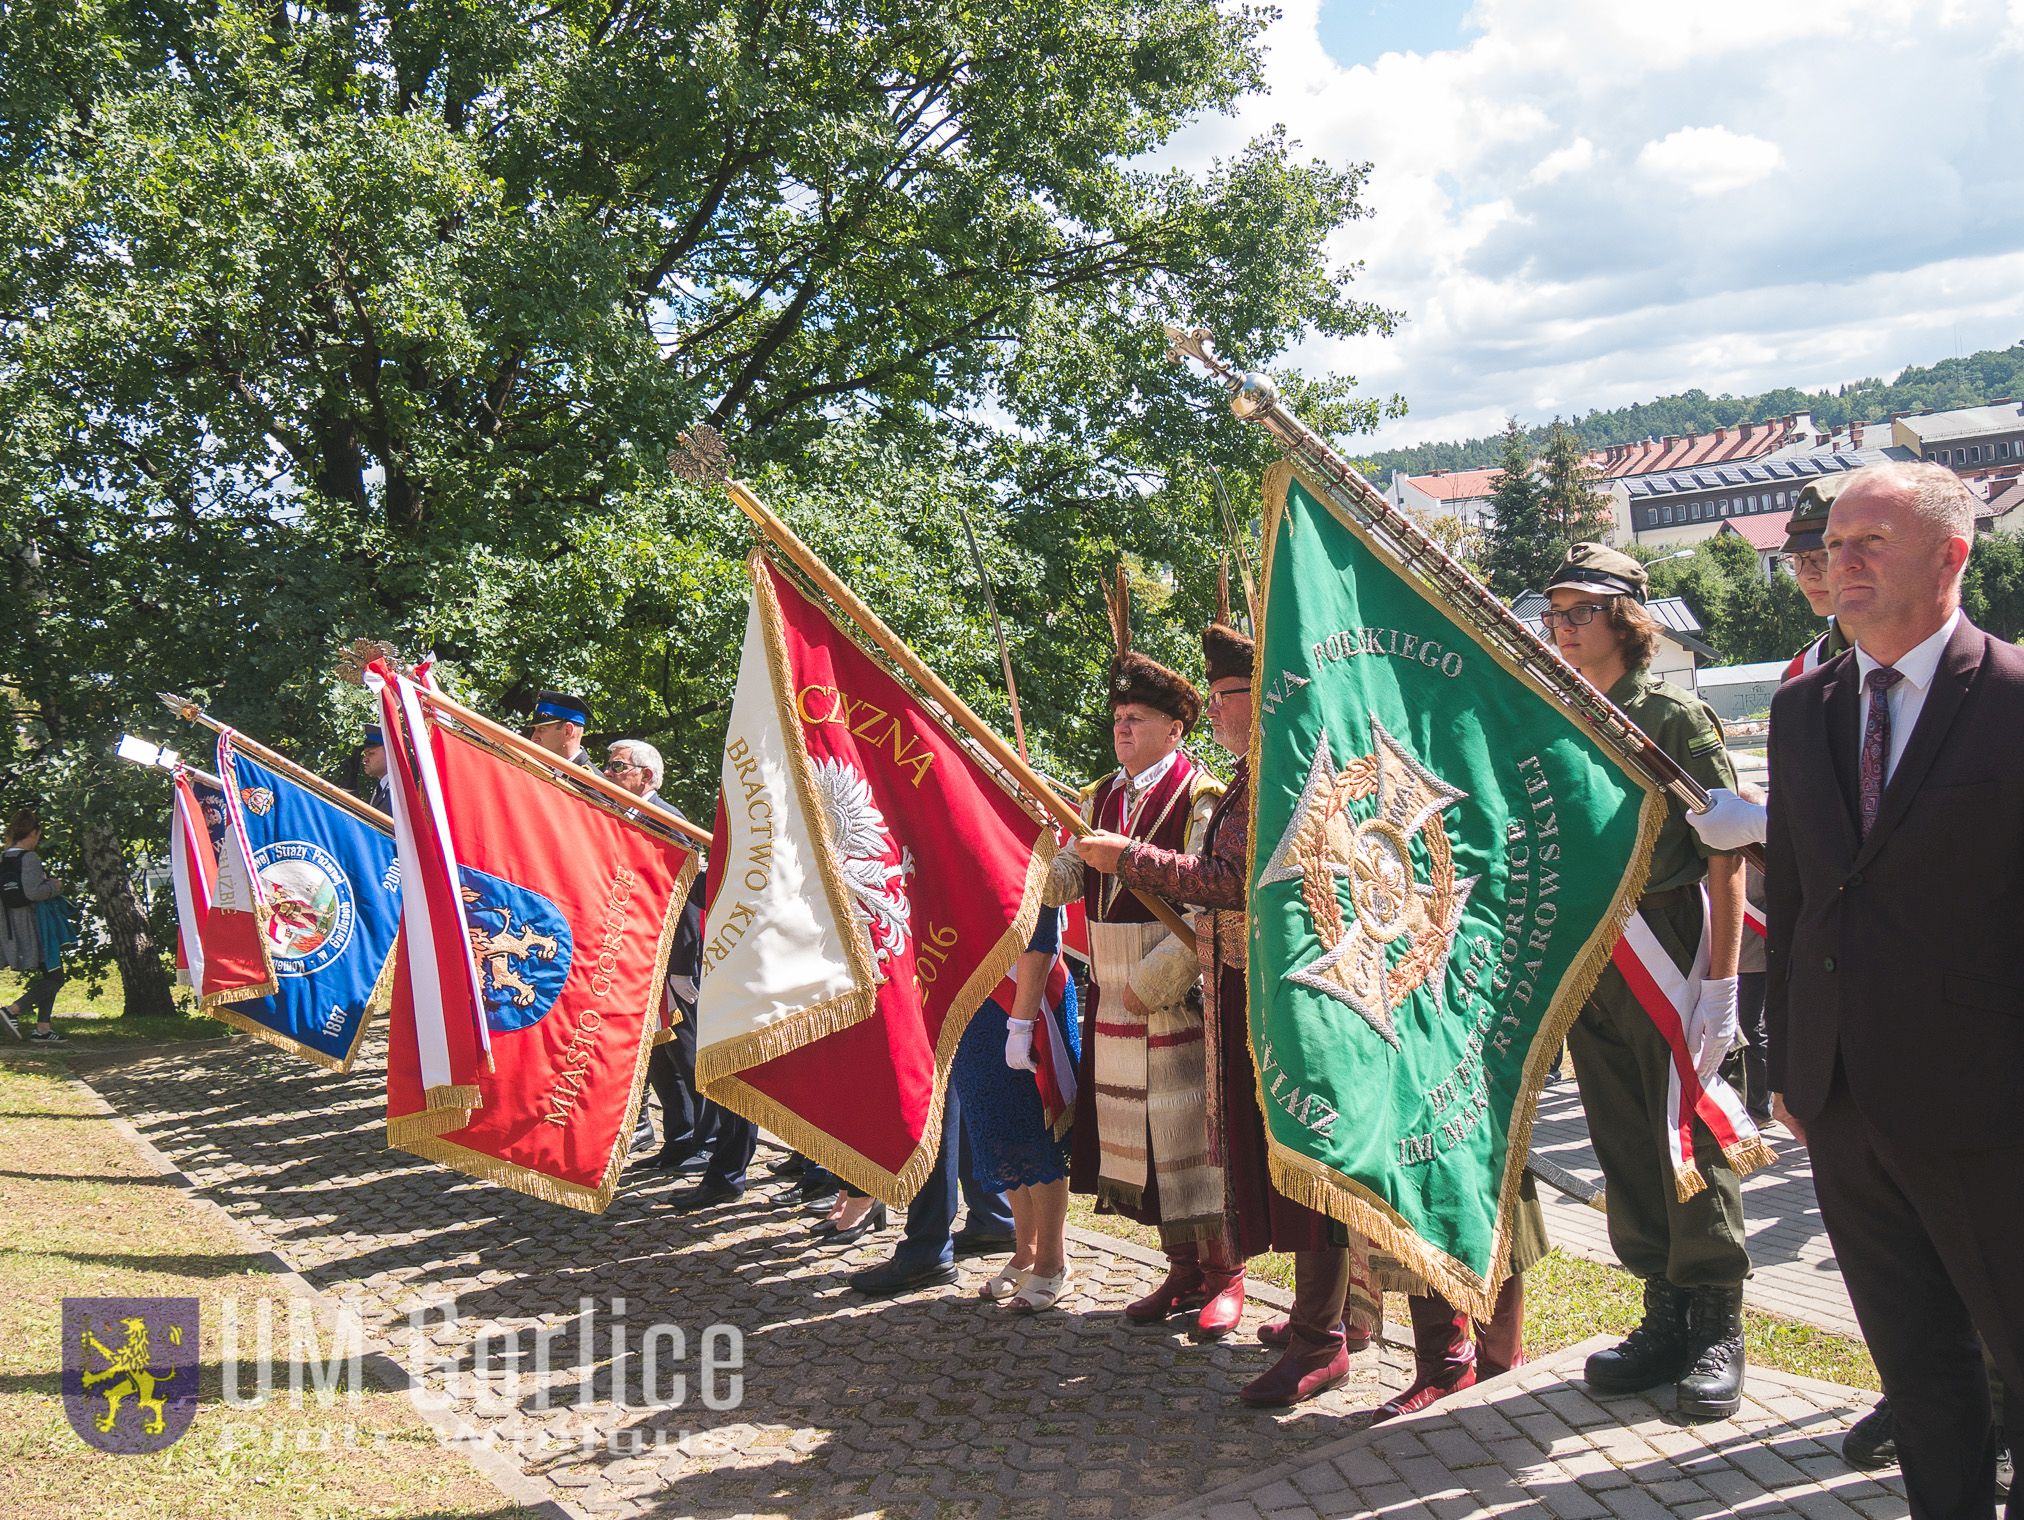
x=1972, y=441
x=1458, y=493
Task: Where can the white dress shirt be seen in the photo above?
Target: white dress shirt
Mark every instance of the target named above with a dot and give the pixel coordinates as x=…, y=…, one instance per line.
x=1150, y=777
x=1906, y=699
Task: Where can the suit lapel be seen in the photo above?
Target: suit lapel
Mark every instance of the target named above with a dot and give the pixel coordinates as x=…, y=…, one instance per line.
x=1842, y=709
x=1958, y=664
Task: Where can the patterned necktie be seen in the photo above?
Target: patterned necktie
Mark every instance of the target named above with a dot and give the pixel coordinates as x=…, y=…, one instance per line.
x=1876, y=741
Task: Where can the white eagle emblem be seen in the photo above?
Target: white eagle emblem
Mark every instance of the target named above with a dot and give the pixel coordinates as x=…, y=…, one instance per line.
x=879, y=910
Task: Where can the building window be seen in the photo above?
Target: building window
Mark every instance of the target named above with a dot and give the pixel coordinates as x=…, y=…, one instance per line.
x=1781, y=498
x=1668, y=513
x=1753, y=503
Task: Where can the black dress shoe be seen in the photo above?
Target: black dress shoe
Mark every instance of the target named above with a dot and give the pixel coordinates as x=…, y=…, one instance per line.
x=702, y=1196
x=874, y=1219
x=792, y=1165
x=967, y=1244
x=890, y=1278
x=1871, y=1441
x=662, y=1161
x=820, y=1198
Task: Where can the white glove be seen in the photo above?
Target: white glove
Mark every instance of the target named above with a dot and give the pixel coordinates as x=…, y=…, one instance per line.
x=1730, y=821
x=1714, y=1026
x=1019, y=1045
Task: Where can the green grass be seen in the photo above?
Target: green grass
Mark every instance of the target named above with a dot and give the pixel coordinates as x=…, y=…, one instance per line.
x=1569, y=1298
x=85, y=1217
x=91, y=1016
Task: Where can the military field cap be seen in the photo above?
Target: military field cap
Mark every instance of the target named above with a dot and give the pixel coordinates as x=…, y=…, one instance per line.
x=1807, y=526
x=560, y=707
x=1599, y=568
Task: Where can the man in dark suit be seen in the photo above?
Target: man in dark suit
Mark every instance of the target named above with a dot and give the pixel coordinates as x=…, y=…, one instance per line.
x=1896, y=996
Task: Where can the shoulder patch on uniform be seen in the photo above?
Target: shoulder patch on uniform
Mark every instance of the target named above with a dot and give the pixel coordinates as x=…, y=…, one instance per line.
x=1706, y=744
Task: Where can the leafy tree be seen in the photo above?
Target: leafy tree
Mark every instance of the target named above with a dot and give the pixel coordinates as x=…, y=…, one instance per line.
x=382, y=319
x=1974, y=380
x=1746, y=617
x=1520, y=547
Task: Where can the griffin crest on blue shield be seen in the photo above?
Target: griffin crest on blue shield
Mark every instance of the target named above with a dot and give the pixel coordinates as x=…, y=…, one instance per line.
x=522, y=945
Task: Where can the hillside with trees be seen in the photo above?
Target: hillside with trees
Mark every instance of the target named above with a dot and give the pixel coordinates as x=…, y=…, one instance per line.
x=1970, y=381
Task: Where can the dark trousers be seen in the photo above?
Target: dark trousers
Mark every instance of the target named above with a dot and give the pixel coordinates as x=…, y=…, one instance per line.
x=671, y=1071
x=39, y=996
x=1756, y=1088
x=732, y=1141
x=1931, y=1245
x=931, y=1217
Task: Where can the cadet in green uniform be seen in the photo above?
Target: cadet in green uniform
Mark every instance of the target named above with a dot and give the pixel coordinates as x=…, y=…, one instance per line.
x=1690, y=1255
x=1806, y=545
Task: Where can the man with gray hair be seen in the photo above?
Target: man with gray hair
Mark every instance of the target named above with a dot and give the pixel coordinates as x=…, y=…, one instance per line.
x=1895, y=1004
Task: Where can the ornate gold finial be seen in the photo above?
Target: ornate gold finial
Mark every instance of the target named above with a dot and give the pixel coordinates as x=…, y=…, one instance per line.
x=702, y=459
x=353, y=658
x=1191, y=343
x=183, y=707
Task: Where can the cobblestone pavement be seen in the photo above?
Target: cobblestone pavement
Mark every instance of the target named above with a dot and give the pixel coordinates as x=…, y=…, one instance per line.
x=1536, y=1444
x=1793, y=1270
x=930, y=1405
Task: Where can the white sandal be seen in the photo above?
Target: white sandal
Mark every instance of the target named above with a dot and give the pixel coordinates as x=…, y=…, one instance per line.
x=1041, y=1292
x=1008, y=1281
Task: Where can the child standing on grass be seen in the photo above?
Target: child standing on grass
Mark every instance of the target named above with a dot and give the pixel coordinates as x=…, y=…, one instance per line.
x=32, y=928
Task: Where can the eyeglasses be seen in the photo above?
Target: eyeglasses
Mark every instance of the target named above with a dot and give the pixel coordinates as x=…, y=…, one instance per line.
x=620, y=767
x=1580, y=615
x=1812, y=562
x=1228, y=691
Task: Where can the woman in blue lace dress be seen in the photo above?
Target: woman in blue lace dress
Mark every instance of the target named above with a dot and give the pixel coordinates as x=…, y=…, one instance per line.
x=1016, y=1151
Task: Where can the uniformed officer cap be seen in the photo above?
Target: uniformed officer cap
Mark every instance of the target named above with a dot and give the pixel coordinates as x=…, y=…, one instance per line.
x=1599, y=568
x=374, y=739
x=1806, y=528
x=560, y=707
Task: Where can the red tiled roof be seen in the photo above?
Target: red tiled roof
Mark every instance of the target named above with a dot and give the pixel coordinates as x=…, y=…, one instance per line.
x=1456, y=485
x=1761, y=530
x=1752, y=440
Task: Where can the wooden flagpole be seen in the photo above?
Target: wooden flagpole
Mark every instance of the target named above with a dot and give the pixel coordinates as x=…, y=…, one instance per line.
x=896, y=650
x=365, y=812
x=998, y=630
x=563, y=770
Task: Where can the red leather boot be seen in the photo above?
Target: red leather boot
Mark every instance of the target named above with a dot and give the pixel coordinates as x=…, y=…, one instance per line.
x=1223, y=1290
x=1279, y=1332
x=1443, y=1360
x=1500, y=1345
x=1315, y=1359
x=1179, y=1290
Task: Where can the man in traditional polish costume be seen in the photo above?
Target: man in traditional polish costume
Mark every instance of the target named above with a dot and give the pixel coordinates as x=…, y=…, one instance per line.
x=1336, y=1307
x=1141, y=1125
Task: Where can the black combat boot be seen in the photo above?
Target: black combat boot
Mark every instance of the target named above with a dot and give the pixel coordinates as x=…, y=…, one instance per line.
x=1714, y=1388
x=1656, y=1352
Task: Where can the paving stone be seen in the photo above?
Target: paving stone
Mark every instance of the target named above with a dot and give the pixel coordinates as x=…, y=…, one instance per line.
x=848, y=1407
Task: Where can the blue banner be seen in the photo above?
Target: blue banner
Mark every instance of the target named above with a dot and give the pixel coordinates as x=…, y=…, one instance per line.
x=331, y=886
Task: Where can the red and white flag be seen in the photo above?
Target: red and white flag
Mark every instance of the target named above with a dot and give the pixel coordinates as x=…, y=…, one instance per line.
x=529, y=979
x=870, y=885
x=219, y=944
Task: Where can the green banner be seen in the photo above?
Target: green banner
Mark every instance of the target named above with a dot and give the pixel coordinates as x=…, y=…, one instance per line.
x=1441, y=861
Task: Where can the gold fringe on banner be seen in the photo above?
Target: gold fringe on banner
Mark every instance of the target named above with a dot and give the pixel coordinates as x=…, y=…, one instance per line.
x=1321, y=1188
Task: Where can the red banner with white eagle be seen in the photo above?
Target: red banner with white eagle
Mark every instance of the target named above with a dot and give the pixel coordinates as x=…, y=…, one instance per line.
x=220, y=948
x=529, y=978
x=870, y=885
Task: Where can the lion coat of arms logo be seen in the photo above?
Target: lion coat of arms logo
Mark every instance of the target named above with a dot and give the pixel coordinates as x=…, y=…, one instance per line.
x=522, y=945
x=874, y=869
x=1374, y=825
x=130, y=1371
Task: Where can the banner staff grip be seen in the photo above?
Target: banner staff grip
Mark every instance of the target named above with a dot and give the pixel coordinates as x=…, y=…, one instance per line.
x=1255, y=398
x=896, y=650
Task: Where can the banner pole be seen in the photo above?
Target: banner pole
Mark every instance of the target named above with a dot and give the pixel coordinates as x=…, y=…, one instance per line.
x=365, y=812
x=1254, y=398
x=895, y=649
x=998, y=630
x=563, y=770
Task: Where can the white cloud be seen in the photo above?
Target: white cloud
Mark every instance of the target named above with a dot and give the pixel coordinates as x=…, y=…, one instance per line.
x=1586, y=203
x=1710, y=160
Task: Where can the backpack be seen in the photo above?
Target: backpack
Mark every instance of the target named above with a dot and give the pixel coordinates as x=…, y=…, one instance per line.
x=11, y=893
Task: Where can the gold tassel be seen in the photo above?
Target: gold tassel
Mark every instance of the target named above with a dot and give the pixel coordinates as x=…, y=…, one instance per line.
x=1747, y=1156
x=1688, y=1182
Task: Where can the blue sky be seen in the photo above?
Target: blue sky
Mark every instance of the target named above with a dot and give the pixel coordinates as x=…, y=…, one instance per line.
x=1584, y=203
x=1358, y=31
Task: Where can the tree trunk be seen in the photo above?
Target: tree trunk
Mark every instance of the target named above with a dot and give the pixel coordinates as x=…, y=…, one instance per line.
x=141, y=968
